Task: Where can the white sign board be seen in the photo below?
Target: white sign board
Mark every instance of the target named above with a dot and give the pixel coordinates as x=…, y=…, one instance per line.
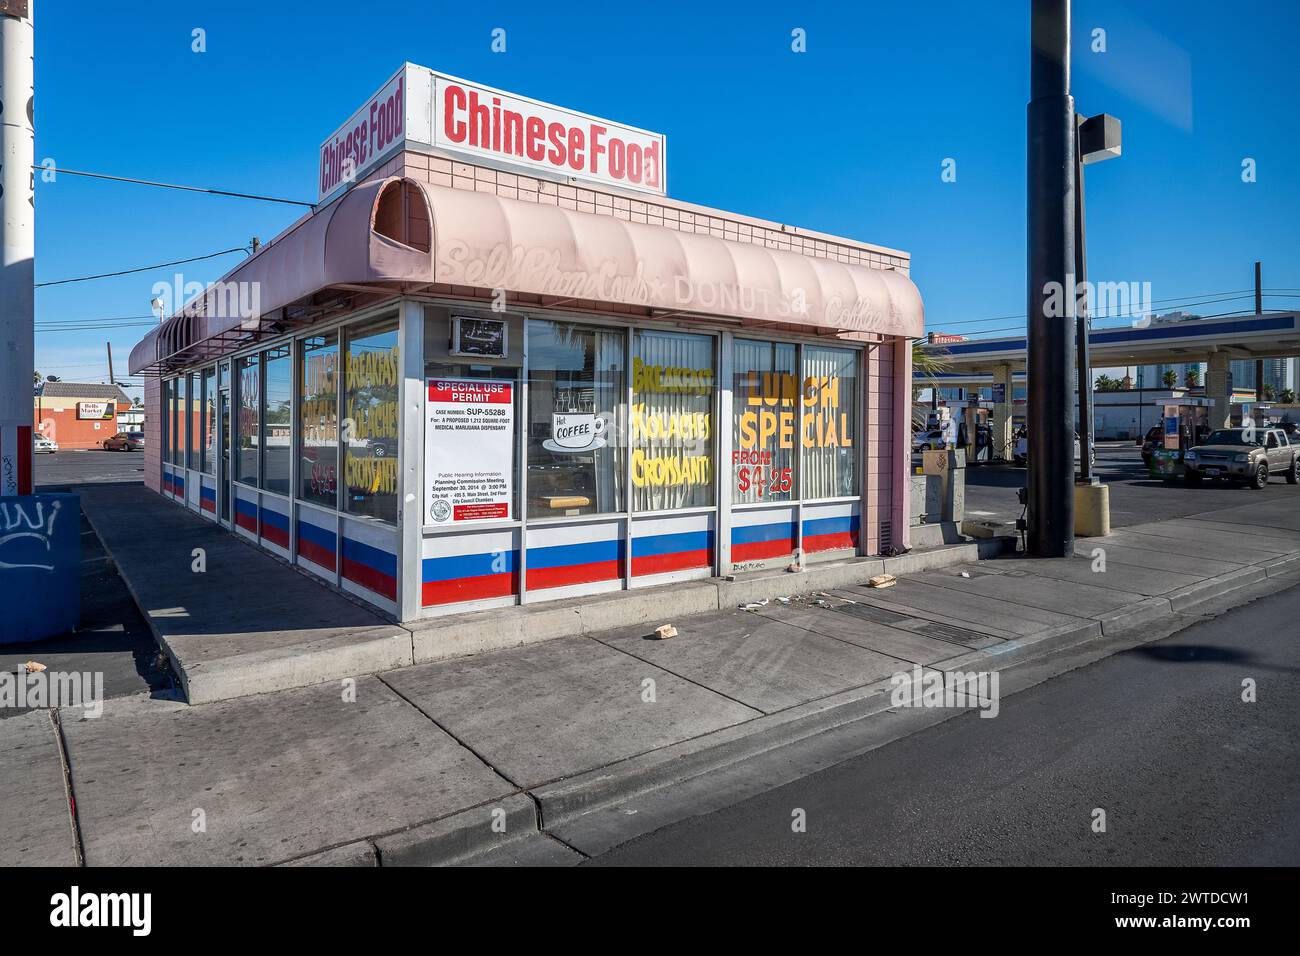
x=420, y=106
x=99, y=410
x=469, y=450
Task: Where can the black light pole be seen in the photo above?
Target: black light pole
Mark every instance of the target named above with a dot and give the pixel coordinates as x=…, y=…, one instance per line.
x=1050, y=234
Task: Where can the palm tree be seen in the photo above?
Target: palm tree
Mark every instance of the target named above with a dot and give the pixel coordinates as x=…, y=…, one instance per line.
x=1287, y=397
x=1170, y=378
x=1192, y=378
x=927, y=361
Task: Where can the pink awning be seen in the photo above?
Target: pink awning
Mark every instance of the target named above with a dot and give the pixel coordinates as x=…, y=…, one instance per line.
x=400, y=235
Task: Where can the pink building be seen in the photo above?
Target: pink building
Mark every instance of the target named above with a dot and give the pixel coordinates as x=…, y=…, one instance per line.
x=496, y=364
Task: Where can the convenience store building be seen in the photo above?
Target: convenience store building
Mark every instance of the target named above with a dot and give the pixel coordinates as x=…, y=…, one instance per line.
x=496, y=364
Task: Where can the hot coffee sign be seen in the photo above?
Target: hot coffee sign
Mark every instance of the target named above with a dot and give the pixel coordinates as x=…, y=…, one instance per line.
x=419, y=106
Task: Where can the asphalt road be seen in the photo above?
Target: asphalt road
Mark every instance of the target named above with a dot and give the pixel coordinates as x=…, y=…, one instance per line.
x=1158, y=737
x=1134, y=497
x=77, y=466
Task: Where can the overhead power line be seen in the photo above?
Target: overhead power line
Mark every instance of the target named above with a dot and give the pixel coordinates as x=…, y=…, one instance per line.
x=1180, y=299
x=1121, y=315
x=192, y=189
x=1239, y=314
x=124, y=272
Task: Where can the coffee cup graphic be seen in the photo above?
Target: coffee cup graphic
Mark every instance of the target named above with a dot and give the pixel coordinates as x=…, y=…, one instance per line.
x=576, y=431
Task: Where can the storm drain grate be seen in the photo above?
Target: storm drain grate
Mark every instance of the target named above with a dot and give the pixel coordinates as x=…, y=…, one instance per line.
x=871, y=613
x=948, y=632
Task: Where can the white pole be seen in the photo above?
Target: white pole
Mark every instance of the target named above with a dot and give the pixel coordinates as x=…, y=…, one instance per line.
x=17, y=274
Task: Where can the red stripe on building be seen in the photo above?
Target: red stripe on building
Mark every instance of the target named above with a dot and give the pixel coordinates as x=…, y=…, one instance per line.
x=758, y=550
x=468, y=589
x=370, y=579
x=834, y=541
x=663, y=563
x=275, y=535
x=315, y=553
x=542, y=578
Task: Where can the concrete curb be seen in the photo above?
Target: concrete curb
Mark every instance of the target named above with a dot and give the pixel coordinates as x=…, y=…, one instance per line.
x=607, y=785
x=566, y=800
x=297, y=665
x=1193, y=594
x=464, y=834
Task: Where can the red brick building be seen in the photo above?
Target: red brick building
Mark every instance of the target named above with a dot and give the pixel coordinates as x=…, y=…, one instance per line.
x=78, y=414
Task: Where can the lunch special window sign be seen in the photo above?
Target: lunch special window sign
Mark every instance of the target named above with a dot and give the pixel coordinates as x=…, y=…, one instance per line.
x=469, y=447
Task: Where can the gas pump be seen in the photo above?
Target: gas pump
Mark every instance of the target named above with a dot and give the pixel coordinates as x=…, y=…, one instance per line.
x=1185, y=423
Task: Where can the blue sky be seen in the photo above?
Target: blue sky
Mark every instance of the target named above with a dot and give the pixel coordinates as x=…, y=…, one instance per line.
x=848, y=138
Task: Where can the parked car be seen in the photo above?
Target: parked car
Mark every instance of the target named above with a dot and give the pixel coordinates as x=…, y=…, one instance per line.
x=44, y=445
x=125, y=441
x=1243, y=456
x=931, y=440
x=1021, y=450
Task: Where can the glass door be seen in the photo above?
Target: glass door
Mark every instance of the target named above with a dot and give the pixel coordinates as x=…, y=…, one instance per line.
x=223, y=432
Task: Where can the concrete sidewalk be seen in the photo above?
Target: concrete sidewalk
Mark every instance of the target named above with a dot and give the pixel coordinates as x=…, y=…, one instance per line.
x=250, y=623
x=548, y=752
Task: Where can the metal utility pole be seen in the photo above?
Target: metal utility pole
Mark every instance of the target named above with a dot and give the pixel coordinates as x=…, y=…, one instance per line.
x=17, y=246
x=1050, y=234
x=111, y=380
x=1259, y=310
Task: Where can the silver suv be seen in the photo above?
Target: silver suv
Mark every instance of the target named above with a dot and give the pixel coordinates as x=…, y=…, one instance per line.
x=1243, y=455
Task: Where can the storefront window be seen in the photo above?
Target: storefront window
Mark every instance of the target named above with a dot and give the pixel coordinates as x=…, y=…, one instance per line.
x=318, y=451
x=277, y=418
x=247, y=375
x=208, y=405
x=577, y=396
x=371, y=397
x=764, y=422
x=830, y=423
x=672, y=421
x=168, y=418
x=178, y=422
x=191, y=421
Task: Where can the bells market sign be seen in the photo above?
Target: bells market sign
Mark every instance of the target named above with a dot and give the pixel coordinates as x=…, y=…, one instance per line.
x=420, y=106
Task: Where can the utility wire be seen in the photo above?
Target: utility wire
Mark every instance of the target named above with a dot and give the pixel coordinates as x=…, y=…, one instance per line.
x=124, y=272
x=1122, y=315
x=192, y=189
x=1240, y=313
x=1180, y=299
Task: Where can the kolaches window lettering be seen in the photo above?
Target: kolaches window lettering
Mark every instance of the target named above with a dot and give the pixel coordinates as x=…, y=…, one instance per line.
x=371, y=388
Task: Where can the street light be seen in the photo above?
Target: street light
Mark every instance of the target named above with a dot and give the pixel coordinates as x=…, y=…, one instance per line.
x=1097, y=138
